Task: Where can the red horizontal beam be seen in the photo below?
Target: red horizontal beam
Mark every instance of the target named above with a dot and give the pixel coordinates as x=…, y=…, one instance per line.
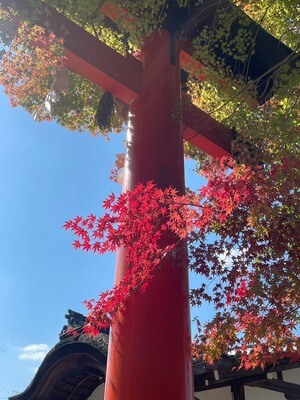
x=126, y=88
x=203, y=131
x=193, y=66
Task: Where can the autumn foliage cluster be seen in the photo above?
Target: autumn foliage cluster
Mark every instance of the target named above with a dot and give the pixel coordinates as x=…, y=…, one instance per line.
x=243, y=239
x=28, y=61
x=30, y=56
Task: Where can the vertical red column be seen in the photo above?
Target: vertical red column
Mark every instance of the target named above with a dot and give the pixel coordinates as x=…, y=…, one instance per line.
x=149, y=350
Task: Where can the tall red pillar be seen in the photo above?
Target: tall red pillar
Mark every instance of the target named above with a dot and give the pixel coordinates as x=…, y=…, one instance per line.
x=150, y=347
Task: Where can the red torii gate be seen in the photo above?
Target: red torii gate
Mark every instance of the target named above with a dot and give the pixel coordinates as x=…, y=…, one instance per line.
x=150, y=346
x=149, y=350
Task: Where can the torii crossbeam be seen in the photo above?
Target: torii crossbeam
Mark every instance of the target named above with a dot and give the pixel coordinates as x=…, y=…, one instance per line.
x=149, y=351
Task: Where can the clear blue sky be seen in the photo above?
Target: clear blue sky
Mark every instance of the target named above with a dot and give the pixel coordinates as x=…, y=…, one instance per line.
x=47, y=175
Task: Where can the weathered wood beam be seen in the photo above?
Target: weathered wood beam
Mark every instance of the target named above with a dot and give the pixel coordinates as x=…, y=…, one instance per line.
x=242, y=377
x=290, y=389
x=238, y=391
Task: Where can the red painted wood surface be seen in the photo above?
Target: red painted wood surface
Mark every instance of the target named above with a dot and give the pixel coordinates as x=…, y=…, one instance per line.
x=203, y=131
x=113, y=79
x=149, y=350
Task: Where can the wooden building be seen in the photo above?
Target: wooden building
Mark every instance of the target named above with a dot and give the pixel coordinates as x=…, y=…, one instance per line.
x=75, y=370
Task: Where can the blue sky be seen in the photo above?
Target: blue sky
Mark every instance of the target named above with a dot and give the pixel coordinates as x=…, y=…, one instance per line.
x=47, y=175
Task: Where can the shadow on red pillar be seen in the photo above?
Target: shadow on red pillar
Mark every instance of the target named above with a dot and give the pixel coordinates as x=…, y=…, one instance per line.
x=150, y=347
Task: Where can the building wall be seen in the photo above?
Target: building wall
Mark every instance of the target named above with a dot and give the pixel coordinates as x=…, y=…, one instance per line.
x=251, y=393
x=292, y=375
x=215, y=394
x=254, y=393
